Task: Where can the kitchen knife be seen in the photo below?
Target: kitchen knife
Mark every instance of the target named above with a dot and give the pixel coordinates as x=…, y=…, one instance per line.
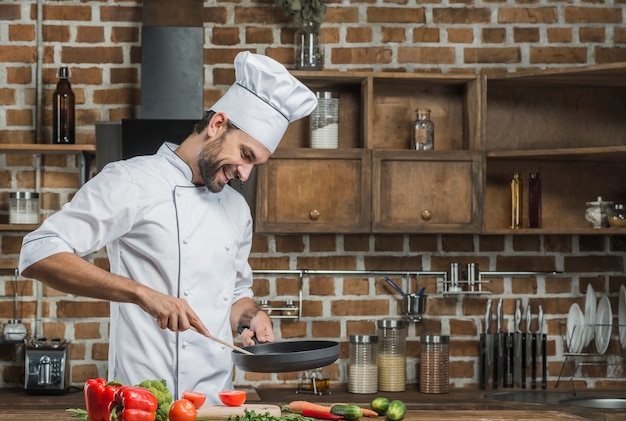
x=488, y=341
x=498, y=355
x=543, y=338
x=517, y=343
x=511, y=362
x=533, y=367
x=483, y=361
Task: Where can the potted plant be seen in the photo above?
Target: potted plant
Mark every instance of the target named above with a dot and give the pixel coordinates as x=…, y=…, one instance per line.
x=308, y=14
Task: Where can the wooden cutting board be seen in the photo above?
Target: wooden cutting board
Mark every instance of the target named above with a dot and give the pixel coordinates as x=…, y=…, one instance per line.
x=222, y=412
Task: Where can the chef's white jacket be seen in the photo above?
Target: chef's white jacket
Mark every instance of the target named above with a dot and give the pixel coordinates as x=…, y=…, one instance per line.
x=180, y=239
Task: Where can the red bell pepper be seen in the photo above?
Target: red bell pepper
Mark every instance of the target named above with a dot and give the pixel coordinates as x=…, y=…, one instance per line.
x=98, y=395
x=132, y=403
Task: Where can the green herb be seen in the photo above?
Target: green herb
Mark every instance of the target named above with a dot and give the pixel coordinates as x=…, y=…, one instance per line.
x=252, y=416
x=304, y=10
x=78, y=413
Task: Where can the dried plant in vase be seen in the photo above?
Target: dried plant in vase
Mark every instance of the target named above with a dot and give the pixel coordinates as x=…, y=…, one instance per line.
x=308, y=14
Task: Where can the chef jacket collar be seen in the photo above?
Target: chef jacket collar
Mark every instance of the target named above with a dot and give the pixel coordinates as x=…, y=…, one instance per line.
x=167, y=151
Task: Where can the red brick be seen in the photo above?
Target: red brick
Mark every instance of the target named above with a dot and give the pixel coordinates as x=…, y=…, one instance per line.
x=559, y=35
x=225, y=36
x=558, y=55
x=90, y=34
x=576, y=15
x=326, y=242
x=609, y=54
x=391, y=34
x=461, y=15
x=10, y=12
x=425, y=34
x=522, y=35
x=426, y=55
x=21, y=33
x=460, y=35
x=361, y=55
x=527, y=15
x=413, y=15
x=256, y=35
x=81, y=309
x=359, y=34
x=596, y=35
x=119, y=13
x=66, y=13
x=492, y=55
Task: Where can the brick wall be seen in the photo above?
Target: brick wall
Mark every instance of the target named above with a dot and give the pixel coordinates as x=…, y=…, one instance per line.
x=99, y=40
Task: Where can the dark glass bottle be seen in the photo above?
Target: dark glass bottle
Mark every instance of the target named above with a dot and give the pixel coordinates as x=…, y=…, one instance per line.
x=534, y=200
x=63, y=122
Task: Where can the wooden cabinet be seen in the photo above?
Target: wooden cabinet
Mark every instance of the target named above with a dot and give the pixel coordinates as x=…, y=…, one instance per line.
x=313, y=191
x=434, y=192
x=317, y=190
x=568, y=125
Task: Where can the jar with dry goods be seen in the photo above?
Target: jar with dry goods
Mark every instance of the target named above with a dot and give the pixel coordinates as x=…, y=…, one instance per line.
x=392, y=355
x=434, y=364
x=362, y=368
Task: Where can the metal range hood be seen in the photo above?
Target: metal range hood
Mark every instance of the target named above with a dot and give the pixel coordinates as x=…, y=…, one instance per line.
x=172, y=87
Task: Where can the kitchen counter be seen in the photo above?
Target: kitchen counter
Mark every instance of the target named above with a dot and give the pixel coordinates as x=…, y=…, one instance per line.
x=458, y=405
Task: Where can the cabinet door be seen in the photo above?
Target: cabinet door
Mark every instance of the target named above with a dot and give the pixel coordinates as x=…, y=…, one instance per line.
x=307, y=190
x=416, y=191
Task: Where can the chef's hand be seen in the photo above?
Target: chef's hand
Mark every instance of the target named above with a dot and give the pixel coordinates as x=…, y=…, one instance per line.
x=173, y=313
x=261, y=327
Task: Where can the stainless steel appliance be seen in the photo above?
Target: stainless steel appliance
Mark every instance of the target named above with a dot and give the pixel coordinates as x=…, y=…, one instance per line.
x=47, y=366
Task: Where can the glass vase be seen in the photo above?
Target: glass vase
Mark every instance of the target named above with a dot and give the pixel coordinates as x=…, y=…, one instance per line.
x=308, y=47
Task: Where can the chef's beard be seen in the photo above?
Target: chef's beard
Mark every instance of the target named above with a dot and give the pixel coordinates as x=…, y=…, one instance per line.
x=210, y=165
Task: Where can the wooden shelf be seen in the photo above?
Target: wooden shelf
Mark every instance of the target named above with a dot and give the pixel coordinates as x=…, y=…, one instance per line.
x=18, y=227
x=40, y=148
x=603, y=153
x=556, y=231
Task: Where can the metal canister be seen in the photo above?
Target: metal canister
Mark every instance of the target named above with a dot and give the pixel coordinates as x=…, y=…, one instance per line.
x=392, y=355
x=434, y=364
x=363, y=368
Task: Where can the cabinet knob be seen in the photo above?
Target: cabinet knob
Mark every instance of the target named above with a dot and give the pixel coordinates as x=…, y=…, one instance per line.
x=426, y=215
x=314, y=214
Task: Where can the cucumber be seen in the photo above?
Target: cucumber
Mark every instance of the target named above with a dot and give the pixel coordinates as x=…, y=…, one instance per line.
x=380, y=405
x=349, y=412
x=396, y=410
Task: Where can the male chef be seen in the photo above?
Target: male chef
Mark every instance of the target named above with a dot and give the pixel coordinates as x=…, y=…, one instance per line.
x=177, y=237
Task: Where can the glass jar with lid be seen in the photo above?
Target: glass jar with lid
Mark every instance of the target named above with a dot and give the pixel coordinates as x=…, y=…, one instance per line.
x=363, y=368
x=392, y=355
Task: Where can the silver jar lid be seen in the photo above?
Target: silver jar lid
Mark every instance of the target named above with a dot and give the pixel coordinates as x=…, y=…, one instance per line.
x=392, y=323
x=363, y=339
x=435, y=339
x=326, y=95
x=24, y=195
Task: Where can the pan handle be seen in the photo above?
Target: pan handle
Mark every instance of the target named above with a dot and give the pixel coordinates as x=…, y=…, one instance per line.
x=240, y=329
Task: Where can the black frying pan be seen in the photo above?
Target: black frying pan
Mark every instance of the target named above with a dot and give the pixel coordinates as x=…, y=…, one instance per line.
x=282, y=357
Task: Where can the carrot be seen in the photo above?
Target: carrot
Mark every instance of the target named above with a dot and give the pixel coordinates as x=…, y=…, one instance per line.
x=298, y=406
x=369, y=413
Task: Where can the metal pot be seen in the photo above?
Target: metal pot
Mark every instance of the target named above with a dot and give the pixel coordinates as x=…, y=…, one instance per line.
x=414, y=305
x=282, y=357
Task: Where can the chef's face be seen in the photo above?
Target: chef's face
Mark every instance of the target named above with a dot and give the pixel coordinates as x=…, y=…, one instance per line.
x=230, y=155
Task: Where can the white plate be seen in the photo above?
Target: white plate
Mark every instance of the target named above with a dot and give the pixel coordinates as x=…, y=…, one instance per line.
x=590, y=314
x=575, y=325
x=604, y=324
x=622, y=316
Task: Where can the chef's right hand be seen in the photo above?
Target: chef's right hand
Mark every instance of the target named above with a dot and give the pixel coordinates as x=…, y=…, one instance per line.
x=173, y=313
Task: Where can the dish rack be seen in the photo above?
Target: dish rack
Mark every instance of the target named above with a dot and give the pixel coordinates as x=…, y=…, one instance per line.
x=590, y=362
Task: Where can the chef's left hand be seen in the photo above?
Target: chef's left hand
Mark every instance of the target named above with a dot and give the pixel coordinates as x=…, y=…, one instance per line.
x=261, y=327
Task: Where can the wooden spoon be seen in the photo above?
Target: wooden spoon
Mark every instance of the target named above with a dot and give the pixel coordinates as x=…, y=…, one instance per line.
x=231, y=346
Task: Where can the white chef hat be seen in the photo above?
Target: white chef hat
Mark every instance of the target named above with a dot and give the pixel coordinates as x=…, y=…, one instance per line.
x=264, y=99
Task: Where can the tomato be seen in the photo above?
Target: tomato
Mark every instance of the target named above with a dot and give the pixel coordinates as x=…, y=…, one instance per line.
x=196, y=398
x=233, y=397
x=183, y=410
